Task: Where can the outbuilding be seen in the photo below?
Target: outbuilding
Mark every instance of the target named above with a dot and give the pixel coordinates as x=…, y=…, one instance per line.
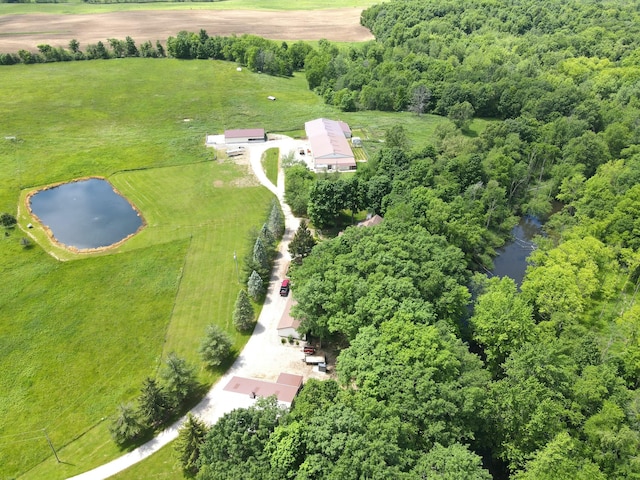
x=329, y=145
x=288, y=326
x=285, y=388
x=250, y=135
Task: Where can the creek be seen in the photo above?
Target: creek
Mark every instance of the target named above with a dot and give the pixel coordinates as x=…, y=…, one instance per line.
x=511, y=260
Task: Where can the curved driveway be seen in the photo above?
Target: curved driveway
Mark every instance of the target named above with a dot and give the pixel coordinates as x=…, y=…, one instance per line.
x=264, y=356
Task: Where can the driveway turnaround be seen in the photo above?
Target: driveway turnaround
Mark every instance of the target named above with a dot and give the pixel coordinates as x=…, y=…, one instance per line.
x=263, y=357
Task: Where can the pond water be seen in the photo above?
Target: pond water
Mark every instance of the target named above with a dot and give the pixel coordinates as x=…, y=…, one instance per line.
x=86, y=214
x=511, y=260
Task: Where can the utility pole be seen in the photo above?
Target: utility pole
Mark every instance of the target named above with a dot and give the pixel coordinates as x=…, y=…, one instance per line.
x=235, y=259
x=51, y=445
x=14, y=142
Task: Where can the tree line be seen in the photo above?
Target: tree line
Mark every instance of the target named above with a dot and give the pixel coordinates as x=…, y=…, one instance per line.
x=256, y=53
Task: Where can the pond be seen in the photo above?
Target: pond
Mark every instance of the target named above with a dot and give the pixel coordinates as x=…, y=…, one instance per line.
x=85, y=214
x=511, y=260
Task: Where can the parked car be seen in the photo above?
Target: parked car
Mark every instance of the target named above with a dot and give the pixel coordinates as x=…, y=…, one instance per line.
x=284, y=288
x=309, y=350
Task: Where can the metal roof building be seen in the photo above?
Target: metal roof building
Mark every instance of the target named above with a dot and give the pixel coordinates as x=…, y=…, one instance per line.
x=329, y=145
x=249, y=135
x=285, y=388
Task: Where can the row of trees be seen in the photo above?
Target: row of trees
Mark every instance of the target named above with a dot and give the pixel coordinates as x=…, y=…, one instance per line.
x=256, y=53
x=158, y=402
x=113, y=48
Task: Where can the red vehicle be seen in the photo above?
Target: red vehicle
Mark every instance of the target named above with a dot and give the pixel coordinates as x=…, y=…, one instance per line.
x=309, y=350
x=284, y=288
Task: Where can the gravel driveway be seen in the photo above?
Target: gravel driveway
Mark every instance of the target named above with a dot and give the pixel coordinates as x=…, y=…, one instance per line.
x=264, y=356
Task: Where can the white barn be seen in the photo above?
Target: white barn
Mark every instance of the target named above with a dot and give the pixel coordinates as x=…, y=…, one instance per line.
x=249, y=135
x=329, y=145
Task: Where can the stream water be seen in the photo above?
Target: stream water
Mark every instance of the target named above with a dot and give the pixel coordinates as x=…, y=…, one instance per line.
x=511, y=260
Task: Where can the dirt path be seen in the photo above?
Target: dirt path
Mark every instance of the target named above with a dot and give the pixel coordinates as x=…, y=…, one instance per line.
x=28, y=31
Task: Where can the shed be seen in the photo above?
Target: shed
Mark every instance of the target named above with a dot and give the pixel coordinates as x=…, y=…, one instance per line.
x=251, y=135
x=288, y=326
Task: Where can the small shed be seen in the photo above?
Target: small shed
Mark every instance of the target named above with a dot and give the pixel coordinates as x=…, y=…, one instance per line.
x=250, y=135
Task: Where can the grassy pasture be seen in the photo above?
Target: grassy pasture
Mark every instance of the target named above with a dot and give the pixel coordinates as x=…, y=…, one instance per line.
x=270, y=162
x=78, y=337
x=77, y=6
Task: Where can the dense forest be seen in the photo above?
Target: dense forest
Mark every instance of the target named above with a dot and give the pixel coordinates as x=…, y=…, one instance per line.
x=445, y=372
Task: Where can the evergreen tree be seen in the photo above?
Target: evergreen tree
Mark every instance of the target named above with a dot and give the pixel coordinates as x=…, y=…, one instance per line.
x=153, y=404
x=260, y=258
x=179, y=379
x=276, y=220
x=126, y=427
x=267, y=237
x=243, y=313
x=302, y=242
x=255, y=286
x=190, y=436
x=215, y=347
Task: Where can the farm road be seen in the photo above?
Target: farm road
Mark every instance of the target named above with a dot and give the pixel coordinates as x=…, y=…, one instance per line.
x=27, y=31
x=263, y=357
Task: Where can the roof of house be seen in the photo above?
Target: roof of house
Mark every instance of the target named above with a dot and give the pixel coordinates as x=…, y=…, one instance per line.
x=370, y=222
x=328, y=141
x=287, y=321
x=285, y=392
x=290, y=379
x=247, y=132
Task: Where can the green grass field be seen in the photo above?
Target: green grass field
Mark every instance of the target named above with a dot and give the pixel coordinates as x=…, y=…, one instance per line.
x=77, y=6
x=77, y=337
x=270, y=163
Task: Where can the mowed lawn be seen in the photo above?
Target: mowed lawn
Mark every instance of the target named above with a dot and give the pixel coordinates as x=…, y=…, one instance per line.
x=78, y=337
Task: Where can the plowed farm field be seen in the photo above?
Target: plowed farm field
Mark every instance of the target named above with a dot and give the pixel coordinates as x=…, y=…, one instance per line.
x=27, y=31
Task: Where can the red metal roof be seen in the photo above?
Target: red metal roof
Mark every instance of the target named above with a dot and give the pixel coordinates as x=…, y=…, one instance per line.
x=284, y=392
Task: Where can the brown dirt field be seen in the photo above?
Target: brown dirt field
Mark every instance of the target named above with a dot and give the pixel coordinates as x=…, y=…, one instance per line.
x=28, y=31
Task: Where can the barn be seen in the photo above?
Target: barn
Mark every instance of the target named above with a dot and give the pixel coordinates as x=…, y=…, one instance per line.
x=329, y=146
x=249, y=135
